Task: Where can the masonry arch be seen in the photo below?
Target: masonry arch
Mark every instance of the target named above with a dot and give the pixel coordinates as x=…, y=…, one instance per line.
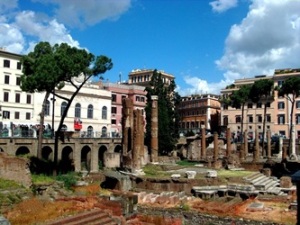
x=47, y=153
x=101, y=152
x=118, y=148
x=67, y=160
x=23, y=150
x=86, y=158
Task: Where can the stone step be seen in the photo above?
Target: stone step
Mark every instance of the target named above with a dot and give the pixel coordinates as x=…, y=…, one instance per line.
x=260, y=180
x=90, y=217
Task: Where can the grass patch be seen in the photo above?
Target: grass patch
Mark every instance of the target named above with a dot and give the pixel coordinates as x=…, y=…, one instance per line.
x=234, y=173
x=42, y=179
x=152, y=170
x=8, y=184
x=186, y=163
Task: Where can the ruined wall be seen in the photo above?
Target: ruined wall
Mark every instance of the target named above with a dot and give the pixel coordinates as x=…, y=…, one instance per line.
x=15, y=168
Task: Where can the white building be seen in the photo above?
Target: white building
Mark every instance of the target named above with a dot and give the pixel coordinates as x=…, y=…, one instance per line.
x=89, y=114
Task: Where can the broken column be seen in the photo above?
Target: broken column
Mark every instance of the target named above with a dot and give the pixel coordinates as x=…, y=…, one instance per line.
x=246, y=144
x=138, y=139
x=269, y=154
x=216, y=147
x=256, y=148
x=154, y=129
x=203, y=143
x=228, y=142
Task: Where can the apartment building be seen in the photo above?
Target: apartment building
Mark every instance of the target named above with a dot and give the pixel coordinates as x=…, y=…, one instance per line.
x=89, y=114
x=118, y=92
x=199, y=111
x=143, y=77
x=278, y=108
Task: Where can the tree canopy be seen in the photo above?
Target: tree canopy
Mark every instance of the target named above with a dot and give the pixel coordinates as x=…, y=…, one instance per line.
x=290, y=89
x=49, y=67
x=168, y=119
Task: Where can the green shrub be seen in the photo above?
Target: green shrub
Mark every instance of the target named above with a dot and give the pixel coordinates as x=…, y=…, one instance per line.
x=69, y=179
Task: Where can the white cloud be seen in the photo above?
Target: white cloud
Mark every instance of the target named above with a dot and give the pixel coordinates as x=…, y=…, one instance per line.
x=79, y=13
x=266, y=39
x=223, y=5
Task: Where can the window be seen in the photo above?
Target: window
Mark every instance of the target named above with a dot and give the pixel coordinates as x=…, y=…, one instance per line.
x=90, y=130
x=280, y=105
x=5, y=96
x=124, y=96
x=6, y=63
x=18, y=81
x=113, y=98
x=268, y=118
x=6, y=79
x=225, y=107
x=268, y=104
x=6, y=115
x=17, y=115
x=63, y=108
x=104, y=112
x=225, y=121
x=78, y=110
x=250, y=106
x=114, y=110
x=280, y=83
x=47, y=108
x=104, y=131
x=114, y=121
x=28, y=99
x=19, y=65
x=258, y=105
x=238, y=119
x=281, y=119
x=28, y=116
x=18, y=97
x=250, y=119
x=297, y=118
x=137, y=98
x=282, y=132
x=259, y=118
x=90, y=112
x=298, y=104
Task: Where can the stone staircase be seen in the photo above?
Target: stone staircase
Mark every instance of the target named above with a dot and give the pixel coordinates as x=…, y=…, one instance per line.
x=265, y=184
x=93, y=217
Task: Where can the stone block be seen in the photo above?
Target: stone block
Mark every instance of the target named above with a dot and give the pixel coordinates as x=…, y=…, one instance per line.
x=286, y=182
x=175, y=176
x=190, y=174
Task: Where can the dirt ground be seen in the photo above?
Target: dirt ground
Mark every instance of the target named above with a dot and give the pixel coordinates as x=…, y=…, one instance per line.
x=37, y=211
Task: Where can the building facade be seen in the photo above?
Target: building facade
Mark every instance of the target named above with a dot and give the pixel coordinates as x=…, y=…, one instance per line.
x=143, y=77
x=89, y=114
x=277, y=114
x=199, y=111
x=119, y=91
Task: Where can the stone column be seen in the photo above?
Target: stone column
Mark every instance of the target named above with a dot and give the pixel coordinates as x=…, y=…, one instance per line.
x=228, y=143
x=284, y=152
x=242, y=149
x=280, y=154
x=203, y=143
x=269, y=154
x=138, y=142
x=256, y=148
x=293, y=137
x=246, y=144
x=216, y=147
x=154, y=129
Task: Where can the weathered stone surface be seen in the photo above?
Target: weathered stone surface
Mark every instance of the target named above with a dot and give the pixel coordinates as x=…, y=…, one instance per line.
x=286, y=182
x=15, y=168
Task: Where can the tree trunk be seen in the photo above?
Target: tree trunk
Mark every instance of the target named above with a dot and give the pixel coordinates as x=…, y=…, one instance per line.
x=41, y=130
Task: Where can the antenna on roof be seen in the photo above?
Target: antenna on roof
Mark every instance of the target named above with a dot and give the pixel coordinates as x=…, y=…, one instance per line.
x=120, y=77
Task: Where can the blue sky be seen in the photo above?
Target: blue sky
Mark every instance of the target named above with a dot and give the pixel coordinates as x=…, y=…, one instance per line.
x=205, y=44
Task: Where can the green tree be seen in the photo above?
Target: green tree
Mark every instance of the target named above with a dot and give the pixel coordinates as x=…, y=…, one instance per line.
x=49, y=67
x=262, y=90
x=290, y=89
x=168, y=117
x=238, y=99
